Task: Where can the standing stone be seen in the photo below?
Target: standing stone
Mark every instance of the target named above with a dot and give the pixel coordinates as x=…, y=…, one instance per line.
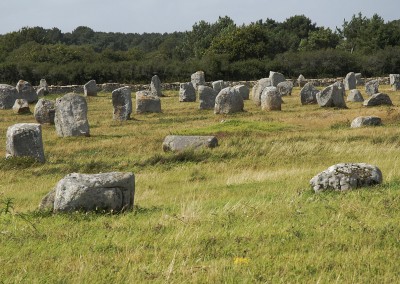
x=26, y=91
x=243, y=90
x=378, y=99
x=71, y=116
x=41, y=92
x=346, y=176
x=198, y=79
x=44, y=111
x=301, y=81
x=25, y=140
x=331, y=96
x=258, y=89
x=395, y=81
x=43, y=85
x=271, y=99
x=180, y=143
x=366, y=121
x=355, y=96
x=228, y=101
x=90, y=89
x=8, y=95
x=285, y=88
x=146, y=102
x=187, y=93
x=350, y=81
x=372, y=87
x=219, y=85
x=114, y=191
x=21, y=106
x=276, y=78
x=122, y=103
x=359, y=79
x=308, y=94
x=155, y=86
x=207, y=97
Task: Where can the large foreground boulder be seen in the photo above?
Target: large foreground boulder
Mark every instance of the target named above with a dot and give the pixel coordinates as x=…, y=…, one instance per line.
x=331, y=96
x=25, y=140
x=378, y=99
x=71, y=116
x=229, y=100
x=207, y=97
x=114, y=191
x=26, y=91
x=346, y=176
x=179, y=143
x=187, y=92
x=147, y=102
x=44, y=111
x=8, y=95
x=308, y=94
x=366, y=121
x=122, y=103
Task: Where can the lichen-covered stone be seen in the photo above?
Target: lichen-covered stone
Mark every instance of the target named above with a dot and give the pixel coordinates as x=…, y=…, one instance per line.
x=146, y=102
x=198, y=79
x=378, y=99
x=346, y=176
x=366, y=121
x=276, y=78
x=8, y=95
x=229, y=100
x=187, y=92
x=271, y=99
x=207, y=97
x=331, y=96
x=179, y=143
x=372, y=87
x=25, y=140
x=285, y=88
x=350, y=81
x=219, y=85
x=308, y=94
x=26, y=91
x=44, y=111
x=122, y=103
x=21, y=106
x=155, y=86
x=394, y=80
x=244, y=91
x=258, y=88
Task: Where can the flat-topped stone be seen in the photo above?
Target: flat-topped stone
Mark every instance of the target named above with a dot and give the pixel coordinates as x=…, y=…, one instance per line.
x=366, y=121
x=179, y=143
x=346, y=176
x=147, y=102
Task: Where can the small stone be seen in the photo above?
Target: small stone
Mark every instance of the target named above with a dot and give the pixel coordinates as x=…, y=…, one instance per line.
x=90, y=88
x=26, y=91
x=146, y=102
x=394, y=80
x=21, y=106
x=378, y=99
x=187, y=92
x=355, y=96
x=179, y=143
x=44, y=86
x=301, y=81
x=366, y=121
x=44, y=111
x=155, y=86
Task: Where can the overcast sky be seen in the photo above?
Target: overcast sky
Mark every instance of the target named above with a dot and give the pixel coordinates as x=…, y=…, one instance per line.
x=139, y=16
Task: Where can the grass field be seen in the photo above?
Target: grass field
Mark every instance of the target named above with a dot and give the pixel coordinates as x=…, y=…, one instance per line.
x=240, y=213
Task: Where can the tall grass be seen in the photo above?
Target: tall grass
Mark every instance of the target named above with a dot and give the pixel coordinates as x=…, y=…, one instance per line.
x=240, y=213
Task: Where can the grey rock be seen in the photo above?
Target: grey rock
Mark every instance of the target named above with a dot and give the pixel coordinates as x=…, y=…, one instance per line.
x=378, y=99
x=244, y=91
x=187, y=93
x=26, y=91
x=346, y=176
x=372, y=87
x=285, y=88
x=198, y=79
x=71, y=116
x=114, y=191
x=146, y=102
x=355, y=96
x=90, y=88
x=271, y=99
x=366, y=121
x=180, y=143
x=44, y=111
x=341, y=88
x=350, y=81
x=229, y=100
x=258, y=88
x=21, y=106
x=25, y=140
x=359, y=79
x=43, y=85
x=41, y=92
x=155, y=86
x=276, y=78
x=308, y=94
x=394, y=80
x=207, y=97
x=301, y=81
x=331, y=96
x=8, y=95
x=219, y=85
x=122, y=103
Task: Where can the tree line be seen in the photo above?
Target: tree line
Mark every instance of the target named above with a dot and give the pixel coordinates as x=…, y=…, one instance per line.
x=223, y=50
